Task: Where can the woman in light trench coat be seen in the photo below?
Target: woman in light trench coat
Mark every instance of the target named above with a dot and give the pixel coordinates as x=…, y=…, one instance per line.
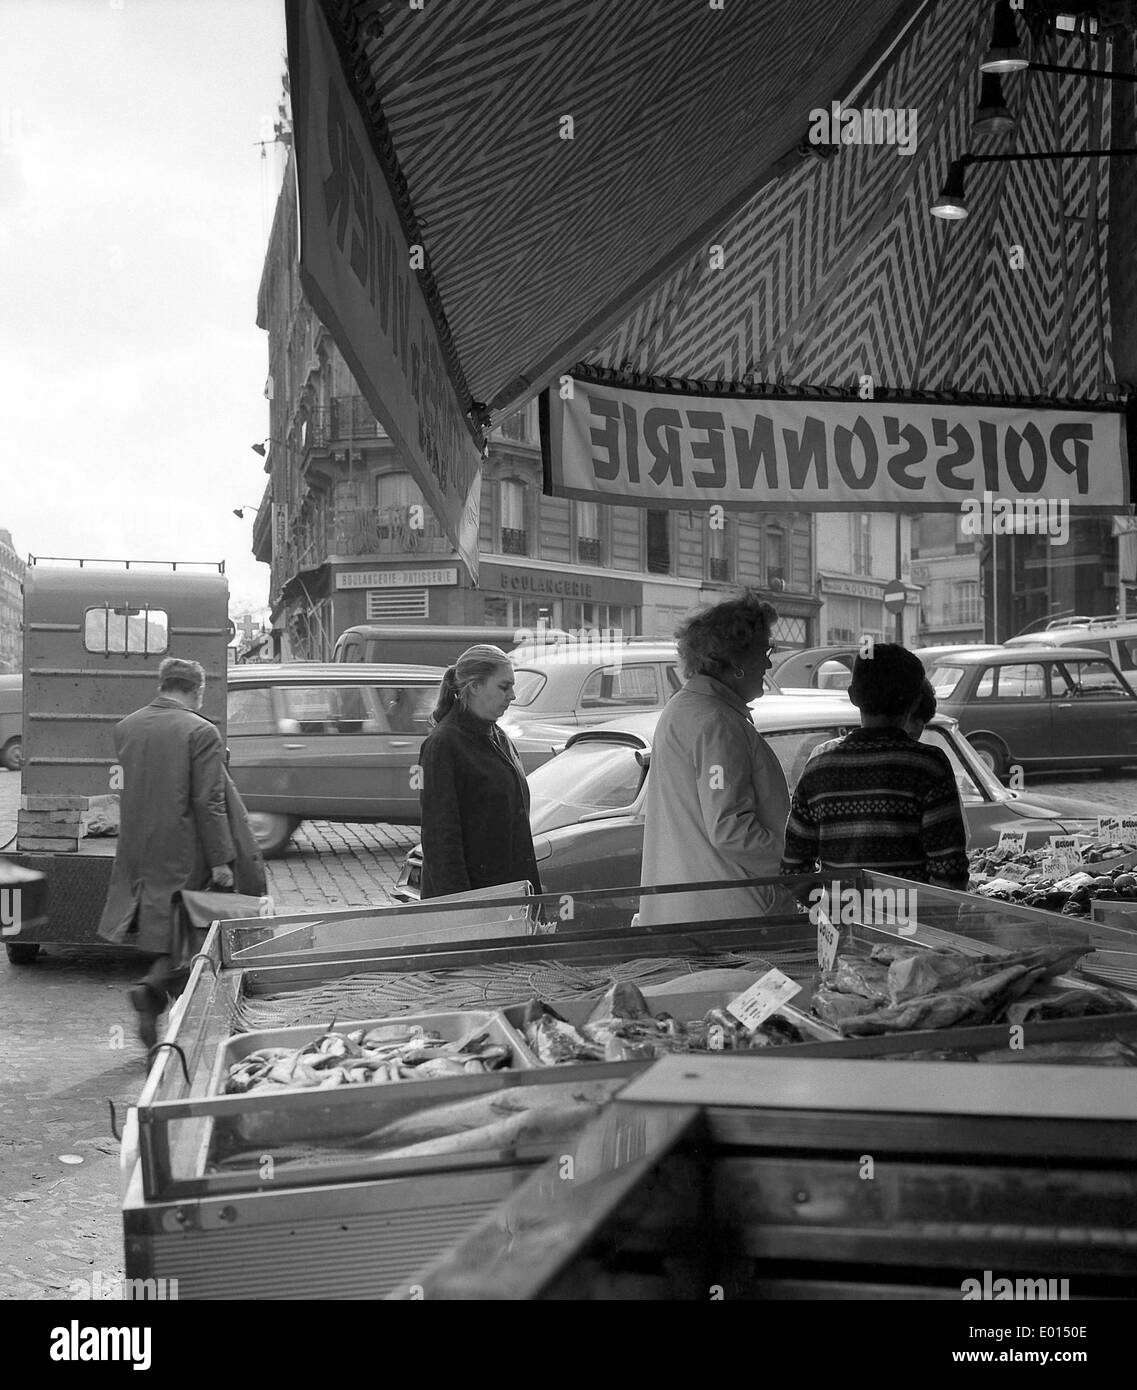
x=717, y=798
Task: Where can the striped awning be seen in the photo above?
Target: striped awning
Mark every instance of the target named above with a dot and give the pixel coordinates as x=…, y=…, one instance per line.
x=689, y=132
x=538, y=243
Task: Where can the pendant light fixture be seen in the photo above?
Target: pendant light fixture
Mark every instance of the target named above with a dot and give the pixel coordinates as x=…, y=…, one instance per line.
x=1004, y=53
x=992, y=116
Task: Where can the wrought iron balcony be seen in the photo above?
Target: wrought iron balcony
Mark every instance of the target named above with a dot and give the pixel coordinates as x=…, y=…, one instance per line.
x=588, y=551
x=719, y=569
x=514, y=542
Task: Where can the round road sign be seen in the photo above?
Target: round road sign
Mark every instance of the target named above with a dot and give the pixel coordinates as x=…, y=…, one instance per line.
x=895, y=596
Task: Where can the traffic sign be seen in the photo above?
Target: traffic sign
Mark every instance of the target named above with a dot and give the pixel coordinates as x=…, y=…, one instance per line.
x=895, y=597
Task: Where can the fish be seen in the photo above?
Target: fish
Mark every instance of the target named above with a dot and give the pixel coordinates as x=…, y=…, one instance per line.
x=555, y=1041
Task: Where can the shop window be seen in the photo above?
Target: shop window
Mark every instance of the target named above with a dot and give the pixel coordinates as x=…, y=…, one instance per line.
x=126, y=631
x=861, y=539
x=659, y=542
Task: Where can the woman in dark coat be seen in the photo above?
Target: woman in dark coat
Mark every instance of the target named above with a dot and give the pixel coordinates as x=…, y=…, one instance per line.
x=475, y=799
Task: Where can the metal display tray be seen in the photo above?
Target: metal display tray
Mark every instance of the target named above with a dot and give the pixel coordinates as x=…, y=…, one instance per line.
x=684, y=1006
x=297, y=1115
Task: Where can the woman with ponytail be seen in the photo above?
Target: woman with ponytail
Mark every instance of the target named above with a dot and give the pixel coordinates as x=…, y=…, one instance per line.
x=475, y=799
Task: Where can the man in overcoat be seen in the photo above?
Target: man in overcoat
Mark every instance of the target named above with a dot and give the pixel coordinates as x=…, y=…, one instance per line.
x=174, y=831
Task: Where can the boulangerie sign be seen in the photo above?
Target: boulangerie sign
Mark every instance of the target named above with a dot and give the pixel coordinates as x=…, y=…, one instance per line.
x=661, y=449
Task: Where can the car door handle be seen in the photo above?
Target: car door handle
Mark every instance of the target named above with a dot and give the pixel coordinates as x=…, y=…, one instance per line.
x=296, y=745
x=399, y=743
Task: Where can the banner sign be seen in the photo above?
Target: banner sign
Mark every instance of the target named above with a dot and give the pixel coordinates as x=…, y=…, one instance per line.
x=667, y=449
x=356, y=269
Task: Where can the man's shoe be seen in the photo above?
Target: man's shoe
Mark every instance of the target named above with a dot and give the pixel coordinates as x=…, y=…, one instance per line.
x=149, y=1010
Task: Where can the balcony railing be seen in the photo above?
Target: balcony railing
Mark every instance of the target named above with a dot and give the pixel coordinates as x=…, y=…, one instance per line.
x=514, y=542
x=719, y=569
x=348, y=417
x=587, y=551
x=384, y=531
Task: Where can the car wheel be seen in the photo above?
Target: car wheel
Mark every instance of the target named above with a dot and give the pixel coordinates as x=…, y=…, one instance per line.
x=272, y=832
x=13, y=755
x=22, y=953
x=991, y=753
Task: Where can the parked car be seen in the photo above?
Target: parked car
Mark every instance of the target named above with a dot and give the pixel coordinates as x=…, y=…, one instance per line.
x=1040, y=706
x=821, y=668
x=327, y=742
x=930, y=655
x=579, y=684
x=11, y=722
x=588, y=803
x=434, y=644
x=1114, y=637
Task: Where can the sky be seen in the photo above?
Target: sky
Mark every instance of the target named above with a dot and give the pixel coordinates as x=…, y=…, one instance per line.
x=135, y=208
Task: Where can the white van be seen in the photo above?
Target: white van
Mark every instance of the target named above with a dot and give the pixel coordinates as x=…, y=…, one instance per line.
x=1115, y=636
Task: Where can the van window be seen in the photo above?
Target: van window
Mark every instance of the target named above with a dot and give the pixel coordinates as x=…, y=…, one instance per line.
x=133, y=631
x=250, y=711
x=331, y=709
x=1127, y=653
x=352, y=650
x=407, y=707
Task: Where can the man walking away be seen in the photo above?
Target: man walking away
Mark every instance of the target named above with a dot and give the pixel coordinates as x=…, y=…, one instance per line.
x=173, y=834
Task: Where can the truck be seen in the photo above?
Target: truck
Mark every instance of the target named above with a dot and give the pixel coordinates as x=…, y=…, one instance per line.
x=95, y=633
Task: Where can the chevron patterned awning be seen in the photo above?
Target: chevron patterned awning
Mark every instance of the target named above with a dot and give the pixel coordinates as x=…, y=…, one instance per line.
x=680, y=111
x=688, y=132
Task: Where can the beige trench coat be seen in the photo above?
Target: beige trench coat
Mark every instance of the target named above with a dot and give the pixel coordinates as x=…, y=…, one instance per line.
x=717, y=803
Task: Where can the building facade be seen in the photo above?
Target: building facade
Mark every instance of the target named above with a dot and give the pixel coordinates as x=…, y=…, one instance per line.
x=11, y=606
x=859, y=555
x=350, y=539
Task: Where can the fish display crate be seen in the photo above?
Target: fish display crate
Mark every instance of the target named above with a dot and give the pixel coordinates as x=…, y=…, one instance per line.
x=358, y=1222
x=298, y=1113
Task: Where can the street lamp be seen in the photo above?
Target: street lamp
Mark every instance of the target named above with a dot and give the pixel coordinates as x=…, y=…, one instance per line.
x=239, y=512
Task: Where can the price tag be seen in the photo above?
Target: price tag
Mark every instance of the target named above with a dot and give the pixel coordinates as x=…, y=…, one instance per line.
x=765, y=997
x=1108, y=827
x=1129, y=829
x=1012, y=839
x=1064, y=844
x=827, y=938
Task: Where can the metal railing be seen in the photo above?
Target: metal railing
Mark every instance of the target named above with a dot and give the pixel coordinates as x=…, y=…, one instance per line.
x=514, y=542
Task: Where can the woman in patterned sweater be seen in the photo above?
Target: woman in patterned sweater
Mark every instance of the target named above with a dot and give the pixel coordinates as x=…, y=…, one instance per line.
x=877, y=799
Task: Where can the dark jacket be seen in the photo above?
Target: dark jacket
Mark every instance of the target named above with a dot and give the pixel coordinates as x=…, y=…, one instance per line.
x=174, y=827
x=475, y=809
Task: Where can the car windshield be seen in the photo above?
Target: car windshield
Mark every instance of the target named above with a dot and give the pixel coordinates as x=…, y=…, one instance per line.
x=593, y=775
x=944, y=680
x=527, y=686
x=974, y=781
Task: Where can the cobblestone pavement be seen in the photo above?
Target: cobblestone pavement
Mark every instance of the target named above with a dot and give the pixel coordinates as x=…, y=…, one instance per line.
x=68, y=1045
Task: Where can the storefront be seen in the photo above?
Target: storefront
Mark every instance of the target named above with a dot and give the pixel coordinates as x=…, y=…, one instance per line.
x=854, y=608
x=529, y=596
